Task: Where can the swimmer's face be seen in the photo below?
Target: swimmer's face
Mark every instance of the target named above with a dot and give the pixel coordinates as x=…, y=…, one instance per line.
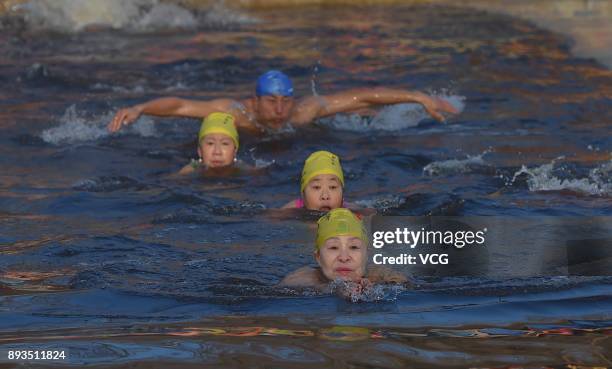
x=342, y=257
x=217, y=150
x=323, y=192
x=274, y=110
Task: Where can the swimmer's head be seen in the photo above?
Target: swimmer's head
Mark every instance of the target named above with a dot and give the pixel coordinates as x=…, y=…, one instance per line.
x=322, y=184
x=218, y=140
x=275, y=83
x=274, y=99
x=341, y=245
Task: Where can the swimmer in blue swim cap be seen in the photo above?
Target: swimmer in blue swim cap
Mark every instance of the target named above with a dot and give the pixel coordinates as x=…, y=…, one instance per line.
x=273, y=105
x=274, y=83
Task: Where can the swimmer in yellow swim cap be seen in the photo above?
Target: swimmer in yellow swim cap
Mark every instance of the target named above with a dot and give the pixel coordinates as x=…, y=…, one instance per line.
x=322, y=184
x=217, y=143
x=341, y=252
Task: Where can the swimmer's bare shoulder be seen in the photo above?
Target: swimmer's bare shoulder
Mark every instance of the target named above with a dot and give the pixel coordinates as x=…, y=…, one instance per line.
x=244, y=113
x=382, y=274
x=306, y=110
x=289, y=205
x=303, y=277
x=186, y=170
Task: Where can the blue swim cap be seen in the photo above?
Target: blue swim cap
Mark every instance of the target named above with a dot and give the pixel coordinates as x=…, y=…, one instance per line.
x=274, y=82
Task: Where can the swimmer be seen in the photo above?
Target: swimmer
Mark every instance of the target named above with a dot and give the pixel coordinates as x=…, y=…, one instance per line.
x=217, y=144
x=273, y=105
x=341, y=252
x=322, y=184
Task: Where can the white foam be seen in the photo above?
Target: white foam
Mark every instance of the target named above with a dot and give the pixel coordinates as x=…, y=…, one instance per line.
x=167, y=16
x=399, y=116
x=137, y=89
x=382, y=202
x=178, y=86
x=76, y=127
x=260, y=163
x=369, y=293
x=453, y=166
x=542, y=179
x=392, y=117
x=220, y=15
x=133, y=15
x=313, y=79
x=457, y=101
x=73, y=128
x=144, y=127
x=74, y=15
x=343, y=122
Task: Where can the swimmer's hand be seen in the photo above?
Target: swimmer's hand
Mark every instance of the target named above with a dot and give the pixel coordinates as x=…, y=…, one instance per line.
x=124, y=117
x=435, y=106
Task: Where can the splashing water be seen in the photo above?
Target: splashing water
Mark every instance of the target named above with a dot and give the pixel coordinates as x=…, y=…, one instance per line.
x=457, y=101
x=136, y=15
x=76, y=127
x=390, y=118
x=384, y=202
x=107, y=184
x=220, y=15
x=399, y=116
x=602, y=173
x=260, y=163
x=74, y=15
x=454, y=166
x=168, y=16
x=369, y=293
x=541, y=178
x=313, y=79
x=342, y=122
x=395, y=117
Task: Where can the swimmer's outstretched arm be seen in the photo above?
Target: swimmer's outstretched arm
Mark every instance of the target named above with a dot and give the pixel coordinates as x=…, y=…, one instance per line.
x=170, y=106
x=321, y=106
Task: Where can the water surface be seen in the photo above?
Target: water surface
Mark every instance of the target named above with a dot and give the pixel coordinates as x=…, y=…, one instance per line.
x=107, y=255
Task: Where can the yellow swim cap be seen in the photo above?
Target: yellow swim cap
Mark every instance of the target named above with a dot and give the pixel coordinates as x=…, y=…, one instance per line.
x=321, y=162
x=339, y=222
x=219, y=123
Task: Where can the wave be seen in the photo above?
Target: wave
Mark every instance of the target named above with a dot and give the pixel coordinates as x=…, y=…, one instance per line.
x=370, y=293
x=108, y=184
x=542, y=178
x=415, y=204
x=390, y=118
x=456, y=166
x=72, y=16
x=76, y=127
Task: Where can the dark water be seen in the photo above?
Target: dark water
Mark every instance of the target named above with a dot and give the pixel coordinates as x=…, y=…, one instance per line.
x=104, y=254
